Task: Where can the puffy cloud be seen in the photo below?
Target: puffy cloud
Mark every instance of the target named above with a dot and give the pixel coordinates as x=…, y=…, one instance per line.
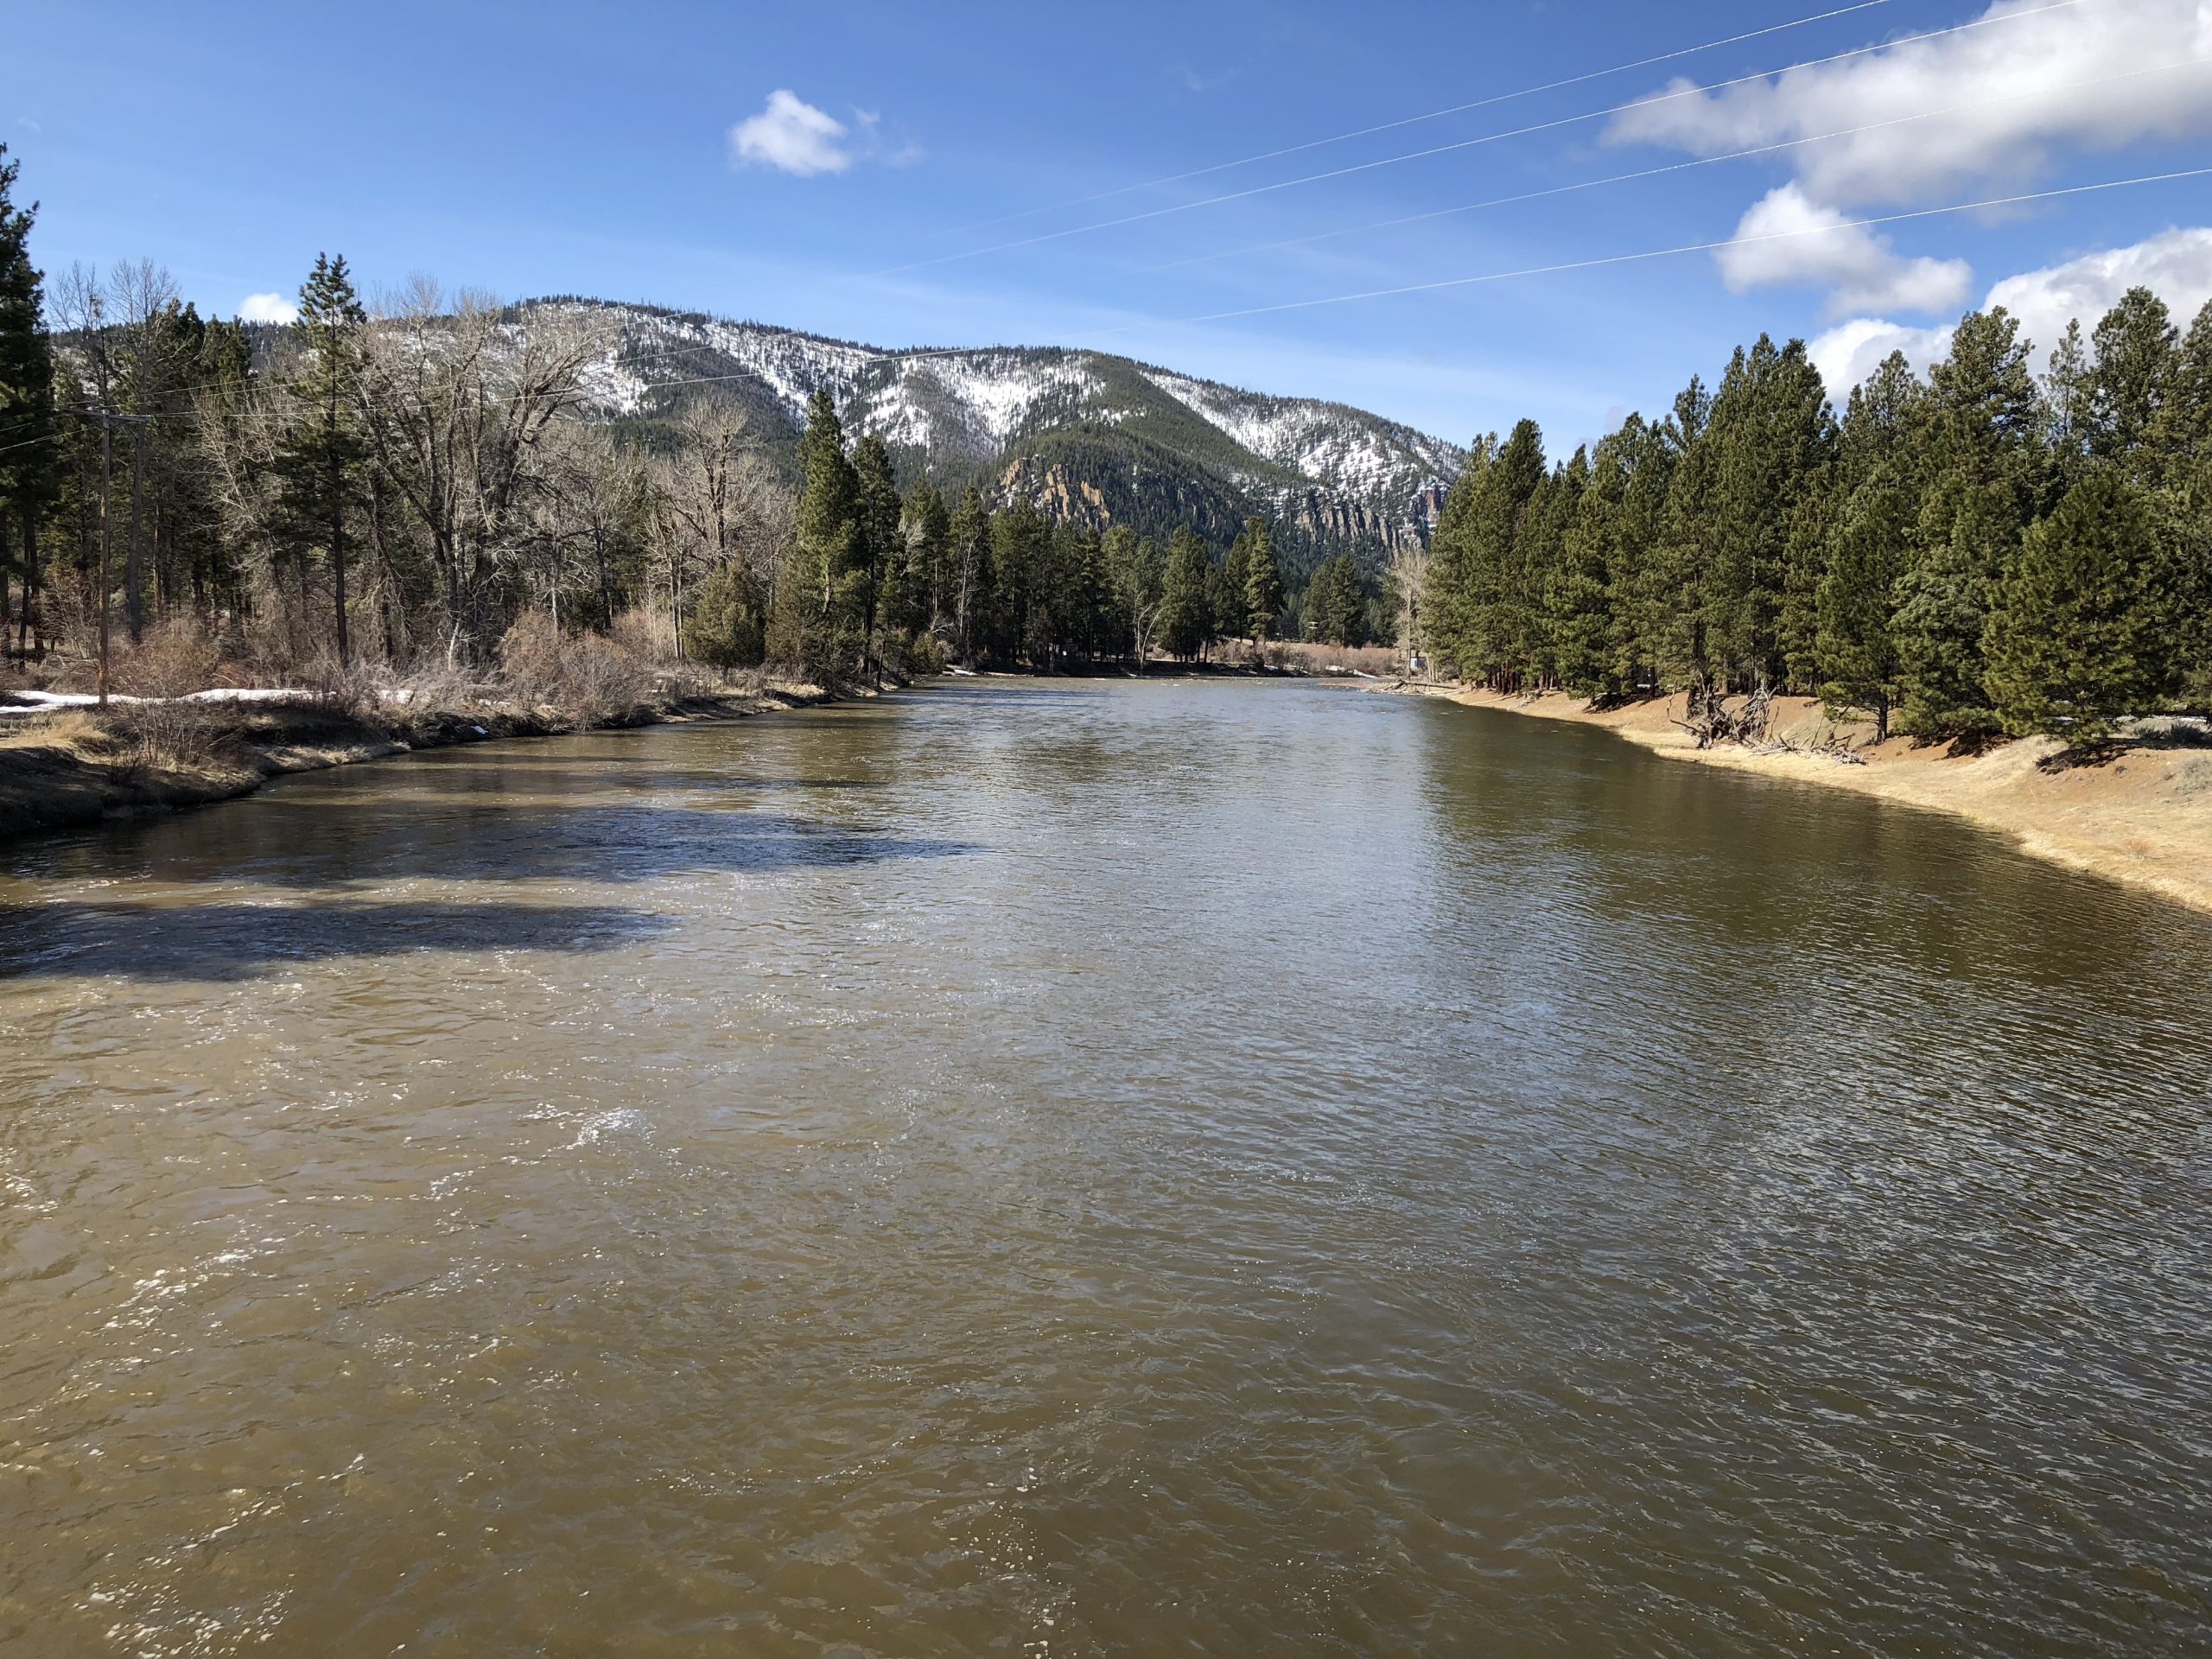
x=792, y=136
x=1786, y=238
x=2176, y=265
x=2024, y=78
x=1850, y=352
x=267, y=308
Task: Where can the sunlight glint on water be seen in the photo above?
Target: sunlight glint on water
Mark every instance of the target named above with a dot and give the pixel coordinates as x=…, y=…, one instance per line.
x=1224, y=1168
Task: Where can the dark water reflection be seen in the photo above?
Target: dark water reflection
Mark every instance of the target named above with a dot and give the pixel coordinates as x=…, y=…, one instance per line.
x=1194, y=1168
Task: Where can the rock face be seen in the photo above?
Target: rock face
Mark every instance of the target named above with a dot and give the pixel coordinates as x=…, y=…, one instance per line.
x=1090, y=438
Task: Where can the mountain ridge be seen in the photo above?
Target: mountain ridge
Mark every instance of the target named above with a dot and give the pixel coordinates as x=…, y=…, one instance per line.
x=1091, y=436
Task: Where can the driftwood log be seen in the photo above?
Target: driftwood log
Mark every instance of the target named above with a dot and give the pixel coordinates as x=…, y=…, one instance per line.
x=1708, y=718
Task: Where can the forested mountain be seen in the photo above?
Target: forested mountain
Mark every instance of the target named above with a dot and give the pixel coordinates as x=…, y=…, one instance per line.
x=1091, y=439
x=447, y=480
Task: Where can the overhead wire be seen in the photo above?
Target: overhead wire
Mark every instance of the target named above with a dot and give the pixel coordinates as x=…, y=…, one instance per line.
x=1657, y=172
x=1463, y=143
x=1991, y=202
x=1415, y=120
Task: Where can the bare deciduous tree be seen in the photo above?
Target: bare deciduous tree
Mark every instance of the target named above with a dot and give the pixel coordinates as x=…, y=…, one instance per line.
x=457, y=403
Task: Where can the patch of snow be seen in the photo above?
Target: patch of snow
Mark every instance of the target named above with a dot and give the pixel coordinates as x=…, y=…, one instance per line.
x=35, y=702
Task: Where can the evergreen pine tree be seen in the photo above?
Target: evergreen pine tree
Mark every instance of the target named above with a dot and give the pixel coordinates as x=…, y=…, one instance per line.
x=1649, y=452
x=1985, y=467
x=1805, y=566
x=813, y=630
x=2083, y=629
x=2068, y=419
x=1578, y=600
x=1672, y=595
x=875, y=578
x=1263, y=587
x=30, y=461
x=1474, y=624
x=1235, y=569
x=1185, y=619
x=2183, y=508
x=1771, y=432
x=1020, y=552
x=934, y=575
x=969, y=559
x=1443, y=609
x=319, y=460
x=723, y=628
x=2132, y=363
x=1856, y=655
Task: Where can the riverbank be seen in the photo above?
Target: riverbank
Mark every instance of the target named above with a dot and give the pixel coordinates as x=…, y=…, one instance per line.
x=75, y=767
x=69, y=765
x=2141, y=814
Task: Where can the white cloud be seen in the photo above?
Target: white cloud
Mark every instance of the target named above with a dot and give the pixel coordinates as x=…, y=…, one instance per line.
x=1789, y=239
x=792, y=136
x=2024, y=76
x=28, y=124
x=267, y=308
x=2176, y=265
x=1850, y=352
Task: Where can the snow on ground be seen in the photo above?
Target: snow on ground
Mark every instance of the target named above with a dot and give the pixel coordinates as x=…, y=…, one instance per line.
x=1314, y=439
x=612, y=386
x=999, y=391
x=39, y=702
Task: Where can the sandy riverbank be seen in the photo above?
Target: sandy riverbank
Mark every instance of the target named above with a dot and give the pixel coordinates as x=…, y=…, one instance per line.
x=2143, y=816
x=75, y=767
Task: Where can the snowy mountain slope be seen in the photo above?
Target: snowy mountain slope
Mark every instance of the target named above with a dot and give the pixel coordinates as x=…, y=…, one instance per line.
x=1085, y=433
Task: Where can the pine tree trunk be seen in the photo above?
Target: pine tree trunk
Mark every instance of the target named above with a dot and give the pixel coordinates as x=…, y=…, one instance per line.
x=107, y=488
x=134, y=590
x=338, y=560
x=28, y=634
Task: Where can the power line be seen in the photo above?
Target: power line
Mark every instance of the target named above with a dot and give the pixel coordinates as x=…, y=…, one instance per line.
x=1464, y=143
x=1656, y=172
x=1415, y=120
x=1663, y=253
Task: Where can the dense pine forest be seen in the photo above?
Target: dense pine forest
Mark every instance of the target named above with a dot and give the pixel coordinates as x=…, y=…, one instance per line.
x=1979, y=552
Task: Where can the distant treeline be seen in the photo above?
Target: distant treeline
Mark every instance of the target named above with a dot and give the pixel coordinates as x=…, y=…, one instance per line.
x=402, y=489
x=917, y=578
x=1977, y=551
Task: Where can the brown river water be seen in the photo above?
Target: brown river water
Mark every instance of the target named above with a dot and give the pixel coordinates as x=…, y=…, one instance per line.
x=1193, y=1168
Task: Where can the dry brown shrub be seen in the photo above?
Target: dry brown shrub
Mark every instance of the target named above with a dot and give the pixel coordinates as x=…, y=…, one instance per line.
x=170, y=733
x=645, y=635
x=175, y=657
x=582, y=676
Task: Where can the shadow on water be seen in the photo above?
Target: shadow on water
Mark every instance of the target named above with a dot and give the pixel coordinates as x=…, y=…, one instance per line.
x=230, y=942
x=323, y=842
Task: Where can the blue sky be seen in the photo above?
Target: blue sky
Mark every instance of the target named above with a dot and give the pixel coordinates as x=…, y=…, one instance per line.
x=600, y=150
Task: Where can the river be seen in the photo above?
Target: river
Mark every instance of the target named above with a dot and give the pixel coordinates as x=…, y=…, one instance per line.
x=1224, y=1168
